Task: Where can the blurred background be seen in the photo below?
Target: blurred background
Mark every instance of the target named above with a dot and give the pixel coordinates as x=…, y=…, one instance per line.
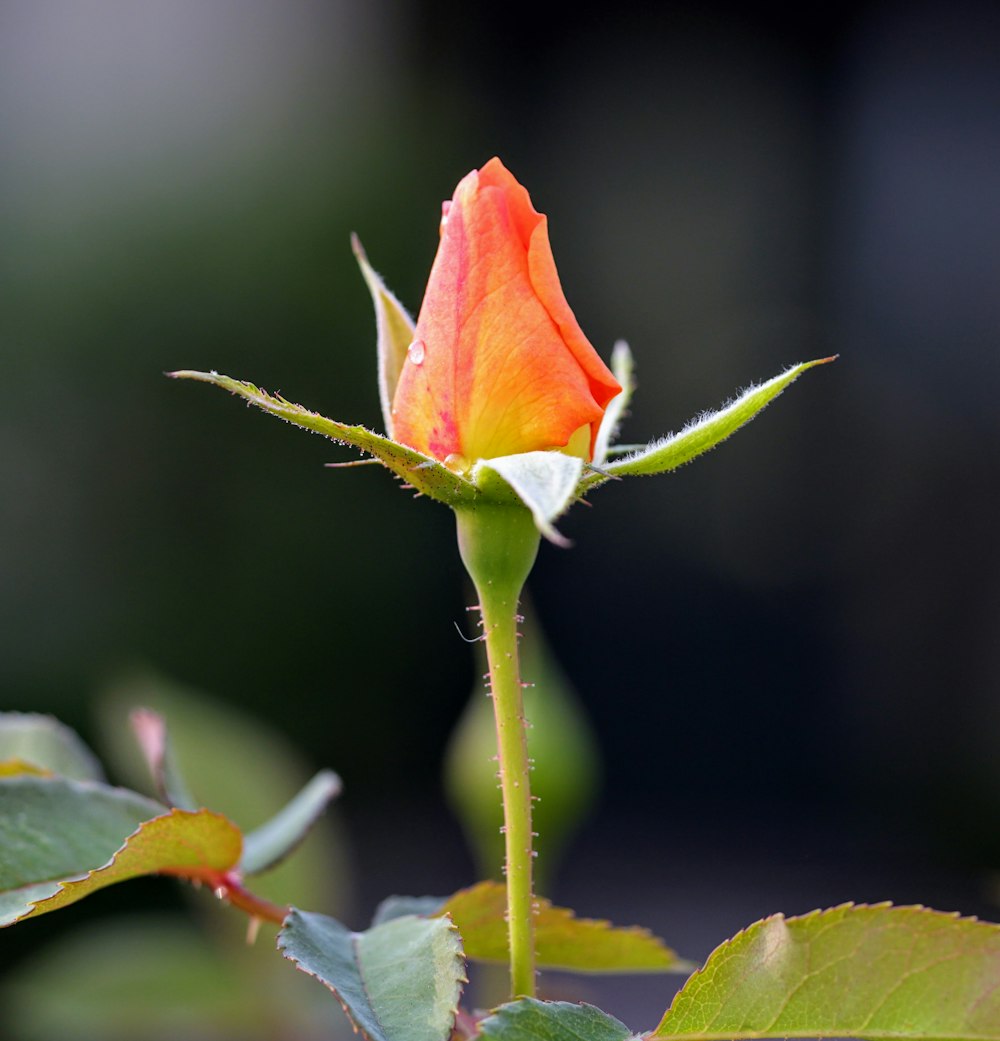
x=790, y=651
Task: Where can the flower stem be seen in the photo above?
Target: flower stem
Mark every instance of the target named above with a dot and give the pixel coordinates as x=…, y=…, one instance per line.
x=505, y=686
x=498, y=545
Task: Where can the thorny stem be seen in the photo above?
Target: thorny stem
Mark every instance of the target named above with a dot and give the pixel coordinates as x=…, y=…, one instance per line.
x=253, y=905
x=498, y=546
x=228, y=886
x=500, y=630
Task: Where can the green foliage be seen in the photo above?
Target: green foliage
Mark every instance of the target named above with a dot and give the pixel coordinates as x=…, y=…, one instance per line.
x=157, y=975
x=238, y=766
x=866, y=972
x=47, y=744
x=268, y=845
x=533, y=1020
x=562, y=940
x=877, y=972
x=63, y=840
x=53, y=829
x=399, y=981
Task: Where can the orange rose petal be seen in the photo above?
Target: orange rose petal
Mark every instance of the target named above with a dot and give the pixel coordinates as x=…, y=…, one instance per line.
x=500, y=365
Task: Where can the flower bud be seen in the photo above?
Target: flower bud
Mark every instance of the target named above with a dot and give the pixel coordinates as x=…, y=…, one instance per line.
x=498, y=365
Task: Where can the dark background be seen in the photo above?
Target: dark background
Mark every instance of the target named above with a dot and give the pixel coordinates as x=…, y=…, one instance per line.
x=790, y=650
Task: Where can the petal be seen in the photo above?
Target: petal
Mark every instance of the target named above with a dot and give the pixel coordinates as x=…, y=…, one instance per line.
x=505, y=367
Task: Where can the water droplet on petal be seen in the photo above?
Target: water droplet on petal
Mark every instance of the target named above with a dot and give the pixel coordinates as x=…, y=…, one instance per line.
x=458, y=464
x=416, y=351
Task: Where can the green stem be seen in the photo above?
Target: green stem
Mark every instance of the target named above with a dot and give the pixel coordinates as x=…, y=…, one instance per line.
x=498, y=545
x=499, y=626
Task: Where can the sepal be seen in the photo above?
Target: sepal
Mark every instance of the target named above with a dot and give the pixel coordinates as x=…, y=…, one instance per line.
x=623, y=368
x=394, y=330
x=702, y=433
x=545, y=482
x=420, y=471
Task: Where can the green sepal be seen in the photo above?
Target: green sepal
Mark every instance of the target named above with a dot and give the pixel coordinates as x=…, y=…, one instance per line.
x=700, y=434
x=623, y=369
x=394, y=331
x=532, y=1020
x=544, y=482
x=398, y=981
x=268, y=845
x=419, y=471
x=875, y=972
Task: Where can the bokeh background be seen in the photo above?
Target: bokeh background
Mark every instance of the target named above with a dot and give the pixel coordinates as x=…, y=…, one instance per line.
x=790, y=650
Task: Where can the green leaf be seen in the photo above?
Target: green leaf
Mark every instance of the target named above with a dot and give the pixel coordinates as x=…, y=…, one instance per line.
x=245, y=770
x=399, y=906
x=62, y=840
x=623, y=368
x=399, y=981
x=53, y=829
x=544, y=481
x=419, y=471
x=394, y=330
x=854, y=971
x=150, y=730
x=44, y=742
x=562, y=941
x=702, y=433
x=269, y=844
x=532, y=1020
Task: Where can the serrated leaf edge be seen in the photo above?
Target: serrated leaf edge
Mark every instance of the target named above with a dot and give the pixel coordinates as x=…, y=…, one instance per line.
x=358, y=1029
x=64, y=884
x=604, y=925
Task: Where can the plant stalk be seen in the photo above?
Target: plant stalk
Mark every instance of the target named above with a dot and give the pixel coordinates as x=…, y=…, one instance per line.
x=500, y=630
x=498, y=546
